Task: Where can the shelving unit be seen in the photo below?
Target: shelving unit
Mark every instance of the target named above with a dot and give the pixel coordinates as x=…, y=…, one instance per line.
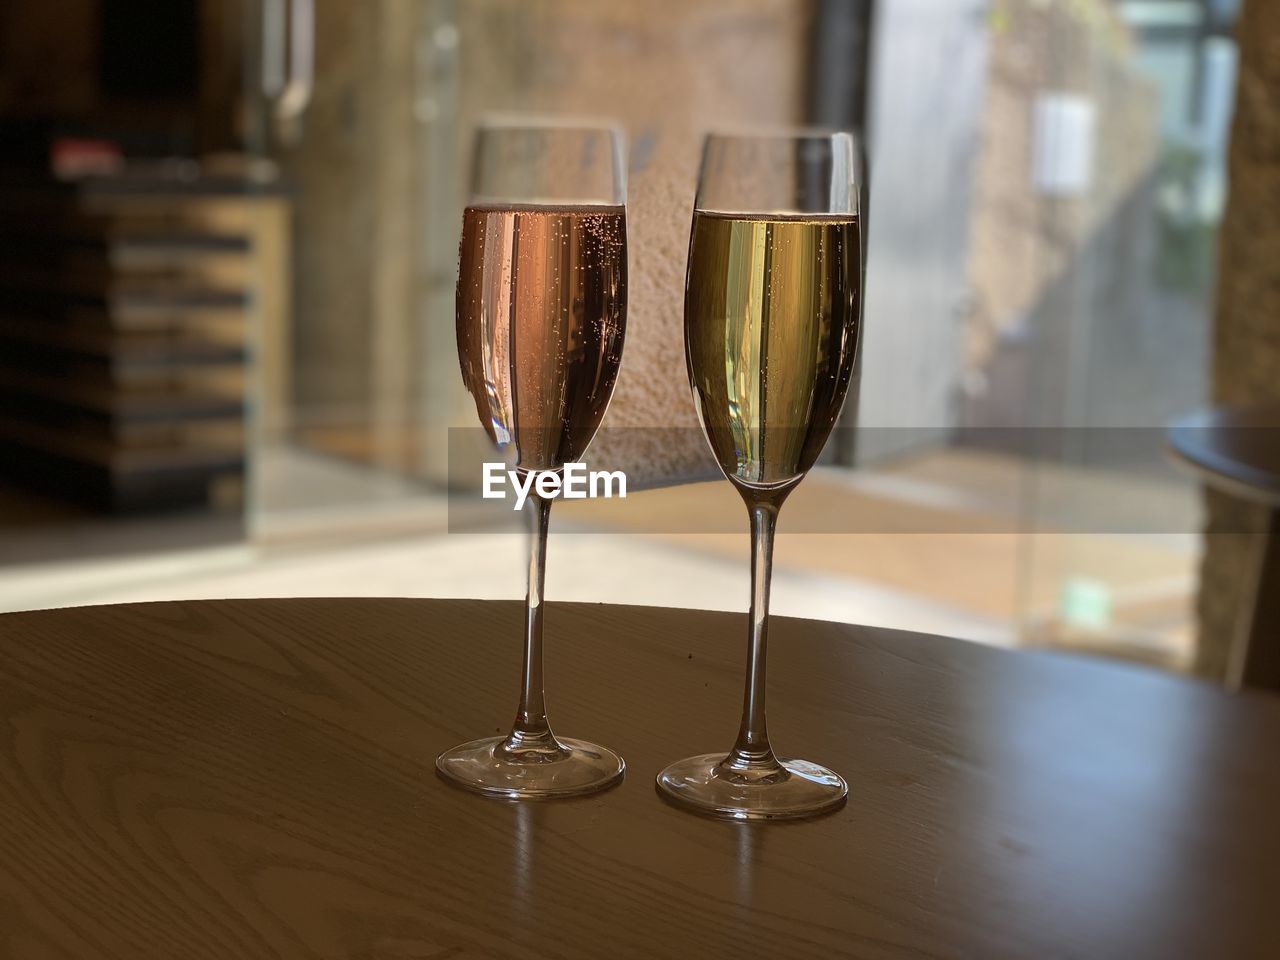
x=125, y=344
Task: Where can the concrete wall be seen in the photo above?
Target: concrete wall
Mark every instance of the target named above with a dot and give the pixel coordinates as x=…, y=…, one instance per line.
x=1049, y=274
x=1246, y=342
x=667, y=70
x=357, y=173
x=927, y=83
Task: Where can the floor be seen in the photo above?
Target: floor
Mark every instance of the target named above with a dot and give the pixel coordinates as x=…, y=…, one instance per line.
x=1086, y=560
x=38, y=530
x=936, y=543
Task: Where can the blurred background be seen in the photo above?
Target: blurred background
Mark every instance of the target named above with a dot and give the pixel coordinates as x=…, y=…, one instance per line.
x=228, y=237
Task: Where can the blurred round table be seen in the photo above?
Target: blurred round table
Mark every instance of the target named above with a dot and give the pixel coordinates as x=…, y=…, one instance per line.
x=1237, y=450
x=254, y=779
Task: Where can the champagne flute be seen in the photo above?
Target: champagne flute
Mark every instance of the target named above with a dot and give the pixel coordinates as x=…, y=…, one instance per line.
x=772, y=317
x=541, y=311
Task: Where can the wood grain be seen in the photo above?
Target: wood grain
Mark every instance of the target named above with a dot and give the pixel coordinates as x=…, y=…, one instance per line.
x=254, y=779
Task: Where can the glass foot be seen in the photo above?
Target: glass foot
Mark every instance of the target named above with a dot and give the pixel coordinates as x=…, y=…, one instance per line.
x=794, y=790
x=565, y=768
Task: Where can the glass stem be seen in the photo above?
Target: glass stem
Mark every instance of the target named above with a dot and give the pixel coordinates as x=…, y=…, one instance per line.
x=531, y=732
x=752, y=751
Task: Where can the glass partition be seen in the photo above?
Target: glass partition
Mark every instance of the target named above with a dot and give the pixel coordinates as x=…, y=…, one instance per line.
x=1045, y=181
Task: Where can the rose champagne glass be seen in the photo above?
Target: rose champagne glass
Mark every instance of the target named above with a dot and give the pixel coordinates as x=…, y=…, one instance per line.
x=541, y=311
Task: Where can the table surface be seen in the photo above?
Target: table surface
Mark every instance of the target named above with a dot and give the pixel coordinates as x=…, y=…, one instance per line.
x=1234, y=448
x=254, y=779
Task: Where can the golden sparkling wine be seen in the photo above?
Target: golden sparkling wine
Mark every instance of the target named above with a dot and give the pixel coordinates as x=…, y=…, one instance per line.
x=771, y=327
x=542, y=295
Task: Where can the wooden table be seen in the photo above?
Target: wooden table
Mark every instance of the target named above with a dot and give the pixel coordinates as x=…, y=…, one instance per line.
x=1237, y=450
x=245, y=779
